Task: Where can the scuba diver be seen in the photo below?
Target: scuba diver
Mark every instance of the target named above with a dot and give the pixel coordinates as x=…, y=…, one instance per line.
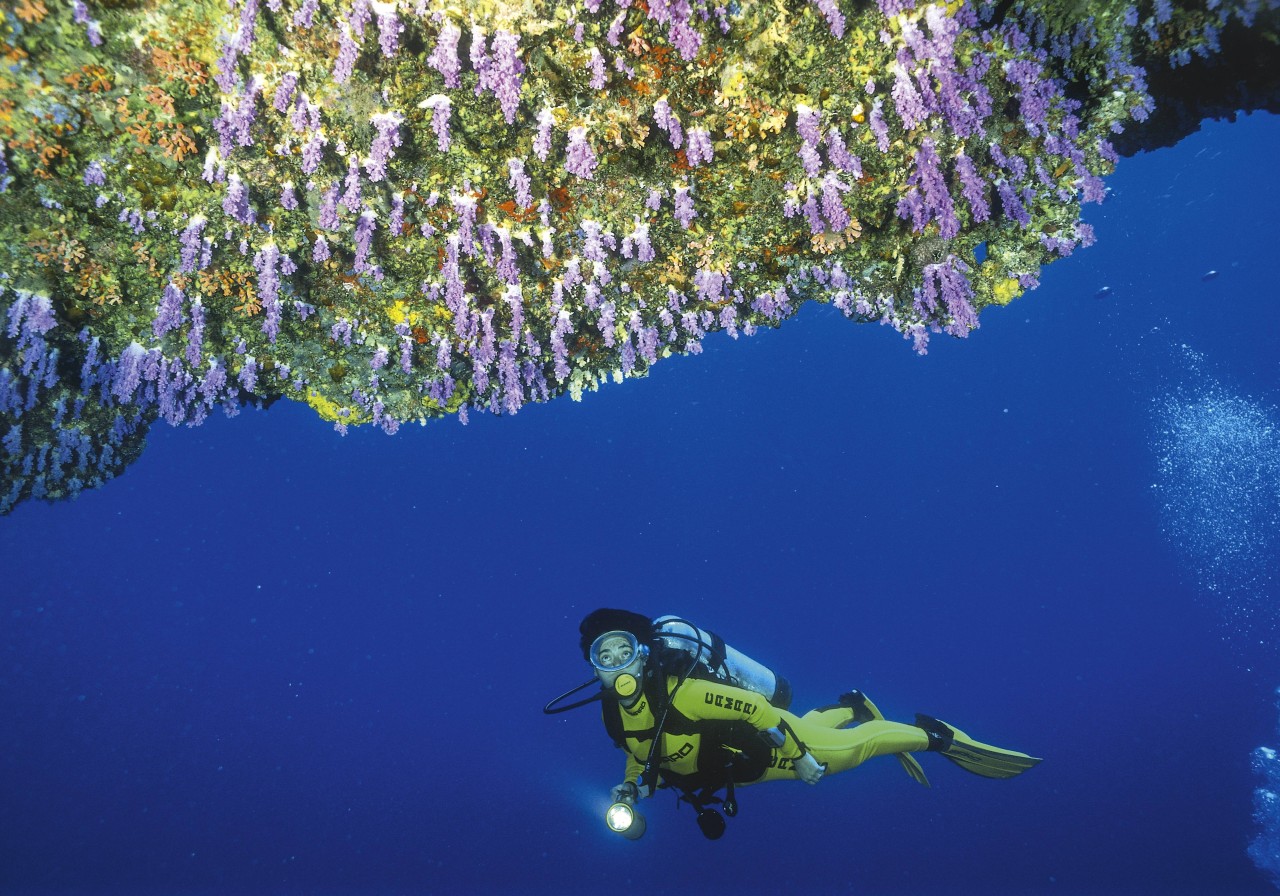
x=698, y=717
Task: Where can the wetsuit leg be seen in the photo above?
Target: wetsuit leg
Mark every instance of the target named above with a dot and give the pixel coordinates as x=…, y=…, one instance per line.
x=834, y=716
x=844, y=748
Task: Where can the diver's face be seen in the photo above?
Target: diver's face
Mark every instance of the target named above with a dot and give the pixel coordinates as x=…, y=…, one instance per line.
x=615, y=653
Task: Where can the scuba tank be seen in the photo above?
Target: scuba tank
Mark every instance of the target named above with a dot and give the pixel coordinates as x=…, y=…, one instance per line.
x=724, y=663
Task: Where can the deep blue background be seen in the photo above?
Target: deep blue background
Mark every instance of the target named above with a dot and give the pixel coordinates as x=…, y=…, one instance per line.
x=270, y=659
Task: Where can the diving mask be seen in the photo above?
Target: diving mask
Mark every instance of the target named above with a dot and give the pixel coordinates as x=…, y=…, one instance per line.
x=618, y=659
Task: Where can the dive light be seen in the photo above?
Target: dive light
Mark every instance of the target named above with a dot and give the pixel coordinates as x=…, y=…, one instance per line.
x=623, y=818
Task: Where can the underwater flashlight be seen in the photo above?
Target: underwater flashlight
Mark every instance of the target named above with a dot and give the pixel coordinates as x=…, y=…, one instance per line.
x=623, y=818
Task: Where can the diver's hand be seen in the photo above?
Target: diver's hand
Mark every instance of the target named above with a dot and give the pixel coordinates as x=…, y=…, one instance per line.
x=809, y=770
x=626, y=792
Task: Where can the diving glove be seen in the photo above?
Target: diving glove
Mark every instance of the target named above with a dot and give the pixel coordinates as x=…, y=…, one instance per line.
x=629, y=792
x=626, y=792
x=808, y=769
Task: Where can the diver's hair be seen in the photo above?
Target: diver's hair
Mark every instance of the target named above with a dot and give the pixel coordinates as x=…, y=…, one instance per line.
x=597, y=622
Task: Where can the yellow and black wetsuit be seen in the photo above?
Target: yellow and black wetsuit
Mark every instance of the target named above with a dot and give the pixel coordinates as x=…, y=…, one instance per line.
x=712, y=735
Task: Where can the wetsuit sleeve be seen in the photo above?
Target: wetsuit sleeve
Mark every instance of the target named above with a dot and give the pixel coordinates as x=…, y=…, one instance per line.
x=707, y=700
x=634, y=768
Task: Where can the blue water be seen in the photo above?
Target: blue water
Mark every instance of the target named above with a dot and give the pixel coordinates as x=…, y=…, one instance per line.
x=269, y=659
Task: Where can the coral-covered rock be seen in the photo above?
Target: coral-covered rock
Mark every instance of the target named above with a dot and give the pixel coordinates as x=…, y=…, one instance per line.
x=397, y=211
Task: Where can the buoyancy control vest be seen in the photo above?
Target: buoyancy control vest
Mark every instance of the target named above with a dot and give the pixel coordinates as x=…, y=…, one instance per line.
x=732, y=751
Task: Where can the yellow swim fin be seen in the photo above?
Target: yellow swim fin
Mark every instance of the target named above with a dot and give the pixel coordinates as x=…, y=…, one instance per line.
x=971, y=755
x=912, y=768
x=866, y=711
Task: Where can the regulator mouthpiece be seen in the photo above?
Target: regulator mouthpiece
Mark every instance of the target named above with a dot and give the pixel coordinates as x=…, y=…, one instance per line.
x=625, y=685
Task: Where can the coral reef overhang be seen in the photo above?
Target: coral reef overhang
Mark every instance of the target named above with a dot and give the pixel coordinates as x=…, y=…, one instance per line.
x=399, y=211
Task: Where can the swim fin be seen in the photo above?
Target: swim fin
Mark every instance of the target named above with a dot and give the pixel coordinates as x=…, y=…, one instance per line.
x=866, y=711
x=971, y=755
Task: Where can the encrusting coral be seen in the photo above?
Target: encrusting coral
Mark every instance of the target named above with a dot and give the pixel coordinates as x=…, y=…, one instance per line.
x=397, y=211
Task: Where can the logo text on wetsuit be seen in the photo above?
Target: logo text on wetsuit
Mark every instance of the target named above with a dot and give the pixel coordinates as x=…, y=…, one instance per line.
x=679, y=754
x=730, y=703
